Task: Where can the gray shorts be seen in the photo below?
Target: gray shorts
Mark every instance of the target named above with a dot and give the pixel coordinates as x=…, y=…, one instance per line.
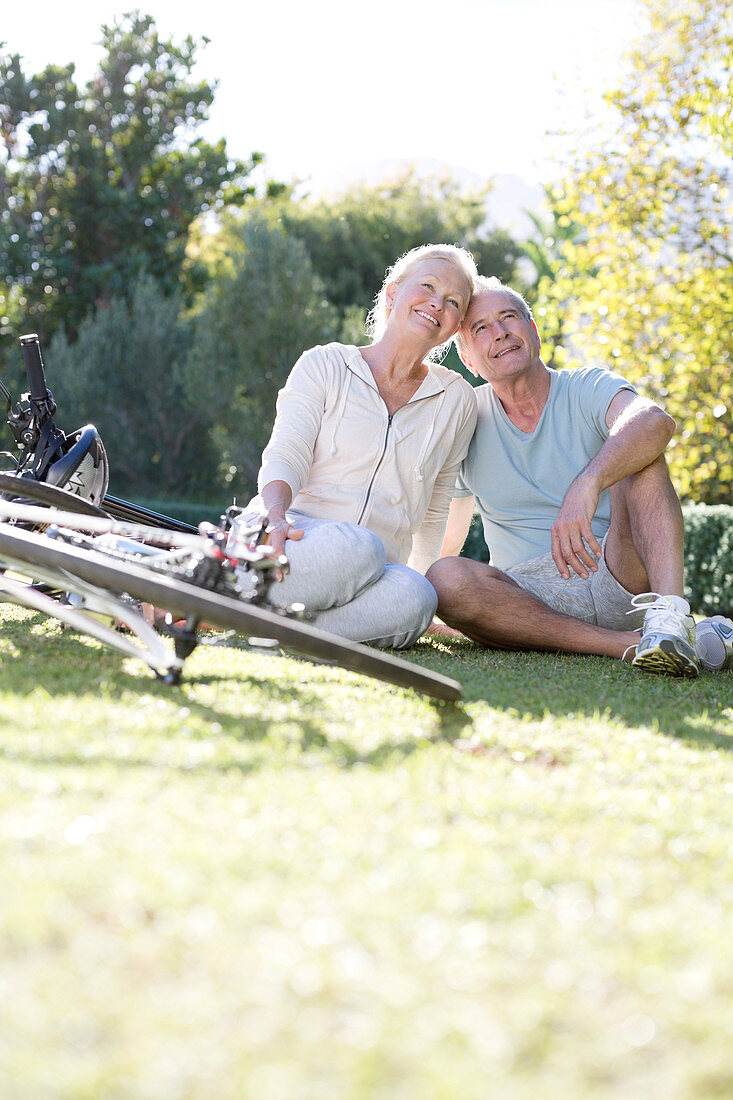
x=599, y=599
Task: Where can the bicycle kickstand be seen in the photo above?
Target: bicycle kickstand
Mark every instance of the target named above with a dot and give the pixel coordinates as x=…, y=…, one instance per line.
x=185, y=640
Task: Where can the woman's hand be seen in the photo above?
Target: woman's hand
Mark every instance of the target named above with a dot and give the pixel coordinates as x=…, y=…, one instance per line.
x=279, y=531
x=276, y=497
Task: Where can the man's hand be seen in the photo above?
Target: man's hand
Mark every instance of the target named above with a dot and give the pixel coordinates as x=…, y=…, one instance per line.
x=571, y=534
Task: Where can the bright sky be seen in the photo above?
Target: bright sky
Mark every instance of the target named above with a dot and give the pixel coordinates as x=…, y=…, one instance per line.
x=326, y=87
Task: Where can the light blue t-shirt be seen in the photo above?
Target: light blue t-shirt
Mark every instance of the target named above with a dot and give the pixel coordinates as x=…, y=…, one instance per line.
x=519, y=478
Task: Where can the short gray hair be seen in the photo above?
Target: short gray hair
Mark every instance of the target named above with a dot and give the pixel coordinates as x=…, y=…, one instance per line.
x=490, y=282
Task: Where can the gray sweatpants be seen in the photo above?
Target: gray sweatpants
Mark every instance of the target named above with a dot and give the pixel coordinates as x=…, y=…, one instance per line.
x=340, y=573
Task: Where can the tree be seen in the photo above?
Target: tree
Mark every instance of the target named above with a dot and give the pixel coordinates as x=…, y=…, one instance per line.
x=545, y=252
x=645, y=286
x=264, y=305
x=100, y=184
x=127, y=372
x=354, y=237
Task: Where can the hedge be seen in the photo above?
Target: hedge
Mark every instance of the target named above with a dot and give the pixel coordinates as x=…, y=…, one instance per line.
x=708, y=556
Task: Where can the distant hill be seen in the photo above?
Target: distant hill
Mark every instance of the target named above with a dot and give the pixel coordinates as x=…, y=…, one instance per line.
x=509, y=198
x=510, y=195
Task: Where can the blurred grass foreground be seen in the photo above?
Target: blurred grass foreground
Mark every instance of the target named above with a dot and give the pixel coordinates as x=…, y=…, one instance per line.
x=282, y=880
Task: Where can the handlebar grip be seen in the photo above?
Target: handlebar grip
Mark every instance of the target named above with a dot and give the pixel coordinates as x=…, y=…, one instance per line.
x=31, y=347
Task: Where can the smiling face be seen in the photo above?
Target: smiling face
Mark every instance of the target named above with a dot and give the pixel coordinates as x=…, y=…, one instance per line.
x=501, y=343
x=429, y=300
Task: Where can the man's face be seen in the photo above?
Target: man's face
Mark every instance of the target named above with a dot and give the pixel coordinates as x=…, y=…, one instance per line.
x=501, y=344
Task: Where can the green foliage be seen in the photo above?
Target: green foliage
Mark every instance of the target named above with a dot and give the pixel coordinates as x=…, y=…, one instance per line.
x=265, y=306
x=475, y=545
x=709, y=558
x=101, y=183
x=352, y=238
x=545, y=250
x=644, y=287
x=128, y=373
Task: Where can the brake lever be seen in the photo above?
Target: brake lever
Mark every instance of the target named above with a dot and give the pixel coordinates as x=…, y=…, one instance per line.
x=8, y=397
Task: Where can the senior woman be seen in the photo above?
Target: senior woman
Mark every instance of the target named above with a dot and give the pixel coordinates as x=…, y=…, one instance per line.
x=360, y=468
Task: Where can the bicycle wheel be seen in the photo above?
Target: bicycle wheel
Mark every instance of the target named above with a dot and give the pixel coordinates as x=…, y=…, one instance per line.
x=135, y=513
x=26, y=550
x=25, y=488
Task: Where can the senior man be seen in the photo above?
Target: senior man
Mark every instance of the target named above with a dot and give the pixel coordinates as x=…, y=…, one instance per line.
x=584, y=528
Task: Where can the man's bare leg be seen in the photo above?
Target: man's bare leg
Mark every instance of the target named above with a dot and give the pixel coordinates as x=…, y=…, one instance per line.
x=651, y=510
x=645, y=553
x=645, y=545
x=489, y=607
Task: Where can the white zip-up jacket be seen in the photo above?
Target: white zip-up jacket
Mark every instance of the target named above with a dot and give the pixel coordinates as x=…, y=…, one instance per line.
x=345, y=458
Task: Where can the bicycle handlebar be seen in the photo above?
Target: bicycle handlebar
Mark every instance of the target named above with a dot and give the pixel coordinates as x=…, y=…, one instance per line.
x=32, y=422
x=31, y=347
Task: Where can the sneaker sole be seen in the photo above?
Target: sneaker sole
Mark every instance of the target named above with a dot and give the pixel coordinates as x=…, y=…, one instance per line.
x=719, y=626
x=665, y=660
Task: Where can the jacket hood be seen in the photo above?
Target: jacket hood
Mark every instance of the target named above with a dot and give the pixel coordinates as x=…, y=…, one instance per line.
x=438, y=377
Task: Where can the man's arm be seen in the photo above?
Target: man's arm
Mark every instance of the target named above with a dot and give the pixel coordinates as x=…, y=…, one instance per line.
x=460, y=515
x=639, y=431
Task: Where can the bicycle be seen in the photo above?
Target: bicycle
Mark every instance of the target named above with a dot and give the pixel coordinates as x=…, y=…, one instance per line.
x=98, y=563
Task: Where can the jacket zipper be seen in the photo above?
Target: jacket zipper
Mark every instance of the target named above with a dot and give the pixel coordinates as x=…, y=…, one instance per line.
x=384, y=451
x=376, y=468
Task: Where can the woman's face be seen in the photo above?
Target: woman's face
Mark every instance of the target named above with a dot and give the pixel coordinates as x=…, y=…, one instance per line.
x=430, y=299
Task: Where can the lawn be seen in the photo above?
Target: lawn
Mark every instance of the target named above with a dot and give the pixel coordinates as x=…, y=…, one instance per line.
x=281, y=881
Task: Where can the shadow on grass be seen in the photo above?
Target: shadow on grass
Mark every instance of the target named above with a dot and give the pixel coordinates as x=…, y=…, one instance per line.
x=532, y=685
x=41, y=658
x=563, y=685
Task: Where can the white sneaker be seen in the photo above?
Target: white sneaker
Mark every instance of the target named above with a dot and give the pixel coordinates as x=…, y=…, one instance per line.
x=714, y=643
x=667, y=643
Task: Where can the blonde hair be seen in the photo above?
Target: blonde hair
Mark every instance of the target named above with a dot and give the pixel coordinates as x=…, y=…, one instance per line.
x=461, y=259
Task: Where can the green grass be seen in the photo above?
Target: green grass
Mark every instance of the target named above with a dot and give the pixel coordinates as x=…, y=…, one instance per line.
x=281, y=881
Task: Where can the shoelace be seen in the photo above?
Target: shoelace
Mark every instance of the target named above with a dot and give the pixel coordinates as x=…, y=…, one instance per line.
x=663, y=616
